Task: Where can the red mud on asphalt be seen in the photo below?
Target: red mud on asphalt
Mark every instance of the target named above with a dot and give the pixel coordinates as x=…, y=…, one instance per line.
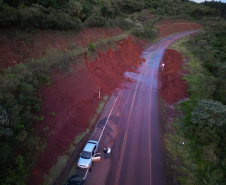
x=74, y=99
x=173, y=87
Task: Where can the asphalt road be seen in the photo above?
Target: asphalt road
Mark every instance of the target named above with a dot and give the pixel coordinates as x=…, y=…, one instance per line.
x=131, y=127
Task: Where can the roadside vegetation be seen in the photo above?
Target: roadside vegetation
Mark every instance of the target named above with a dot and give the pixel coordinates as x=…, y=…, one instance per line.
x=197, y=141
x=218, y=5
x=19, y=103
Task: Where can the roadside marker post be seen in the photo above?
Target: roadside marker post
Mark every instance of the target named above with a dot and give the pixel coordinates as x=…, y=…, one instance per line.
x=99, y=94
x=163, y=66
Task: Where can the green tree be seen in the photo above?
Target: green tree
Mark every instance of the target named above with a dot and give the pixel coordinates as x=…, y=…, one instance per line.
x=96, y=19
x=207, y=119
x=75, y=9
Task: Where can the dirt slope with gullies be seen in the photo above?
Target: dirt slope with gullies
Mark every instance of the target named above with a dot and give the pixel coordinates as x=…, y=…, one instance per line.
x=72, y=98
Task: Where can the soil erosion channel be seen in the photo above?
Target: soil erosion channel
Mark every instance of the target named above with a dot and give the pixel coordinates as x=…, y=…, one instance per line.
x=132, y=130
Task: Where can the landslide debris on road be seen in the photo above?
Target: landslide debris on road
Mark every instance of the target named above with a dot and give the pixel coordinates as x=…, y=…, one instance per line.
x=73, y=97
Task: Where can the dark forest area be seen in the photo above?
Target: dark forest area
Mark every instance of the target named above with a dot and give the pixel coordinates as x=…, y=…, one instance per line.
x=221, y=7
x=74, y=14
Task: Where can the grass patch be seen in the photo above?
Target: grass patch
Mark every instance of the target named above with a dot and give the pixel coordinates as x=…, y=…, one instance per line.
x=194, y=63
x=178, y=45
x=103, y=45
x=181, y=152
x=110, y=42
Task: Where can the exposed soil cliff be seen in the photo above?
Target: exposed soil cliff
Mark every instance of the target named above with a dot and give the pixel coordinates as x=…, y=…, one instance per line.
x=72, y=98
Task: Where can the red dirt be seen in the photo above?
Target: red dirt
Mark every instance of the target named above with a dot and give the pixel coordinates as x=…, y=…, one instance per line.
x=163, y=22
x=72, y=96
x=172, y=88
x=168, y=27
x=74, y=100
x=20, y=47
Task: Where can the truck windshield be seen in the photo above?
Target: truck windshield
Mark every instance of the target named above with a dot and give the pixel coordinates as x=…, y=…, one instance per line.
x=86, y=155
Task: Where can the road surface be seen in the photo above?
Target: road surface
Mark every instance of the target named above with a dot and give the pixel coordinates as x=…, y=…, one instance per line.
x=129, y=125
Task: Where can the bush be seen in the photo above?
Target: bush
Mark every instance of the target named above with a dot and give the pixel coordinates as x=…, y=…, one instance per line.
x=14, y=169
x=124, y=23
x=111, y=23
x=65, y=22
x=207, y=119
x=149, y=33
x=201, y=86
x=138, y=29
x=221, y=91
x=32, y=17
x=128, y=23
x=91, y=46
x=96, y=20
x=74, y=8
x=17, y=96
x=202, y=43
x=38, y=16
x=9, y=16
x=4, y=116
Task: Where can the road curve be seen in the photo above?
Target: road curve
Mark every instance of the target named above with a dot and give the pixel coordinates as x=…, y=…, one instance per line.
x=133, y=128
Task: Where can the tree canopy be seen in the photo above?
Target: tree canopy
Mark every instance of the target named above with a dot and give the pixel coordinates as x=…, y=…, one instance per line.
x=66, y=14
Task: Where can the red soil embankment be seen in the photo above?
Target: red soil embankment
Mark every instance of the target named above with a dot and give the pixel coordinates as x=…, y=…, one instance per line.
x=172, y=21
x=168, y=27
x=71, y=99
x=19, y=47
x=74, y=99
x=173, y=87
